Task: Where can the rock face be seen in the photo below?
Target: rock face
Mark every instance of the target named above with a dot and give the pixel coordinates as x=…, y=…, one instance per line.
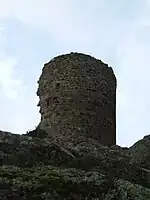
x=50, y=169
x=78, y=97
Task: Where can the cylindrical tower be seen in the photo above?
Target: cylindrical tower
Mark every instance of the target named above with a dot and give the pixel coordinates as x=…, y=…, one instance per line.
x=78, y=97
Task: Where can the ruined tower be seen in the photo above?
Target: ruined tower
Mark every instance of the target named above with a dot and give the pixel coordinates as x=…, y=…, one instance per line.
x=78, y=97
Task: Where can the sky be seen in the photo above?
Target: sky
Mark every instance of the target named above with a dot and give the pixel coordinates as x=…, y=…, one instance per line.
x=32, y=32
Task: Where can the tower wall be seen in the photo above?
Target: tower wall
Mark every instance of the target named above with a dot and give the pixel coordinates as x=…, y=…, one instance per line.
x=78, y=97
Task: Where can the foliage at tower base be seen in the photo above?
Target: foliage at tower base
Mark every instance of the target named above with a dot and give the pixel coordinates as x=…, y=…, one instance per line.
x=57, y=168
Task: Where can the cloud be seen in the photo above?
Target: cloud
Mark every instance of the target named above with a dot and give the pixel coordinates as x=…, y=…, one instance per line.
x=9, y=85
x=18, y=102
x=133, y=97
x=54, y=16
x=72, y=21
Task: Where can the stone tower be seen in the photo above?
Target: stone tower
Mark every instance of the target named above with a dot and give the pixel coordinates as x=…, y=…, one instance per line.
x=78, y=97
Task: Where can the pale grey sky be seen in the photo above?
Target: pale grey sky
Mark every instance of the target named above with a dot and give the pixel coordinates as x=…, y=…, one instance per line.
x=34, y=31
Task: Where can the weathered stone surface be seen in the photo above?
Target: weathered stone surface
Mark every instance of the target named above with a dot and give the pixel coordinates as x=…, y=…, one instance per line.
x=49, y=168
x=78, y=97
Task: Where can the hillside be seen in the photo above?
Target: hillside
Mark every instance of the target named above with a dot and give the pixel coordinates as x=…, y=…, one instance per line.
x=33, y=167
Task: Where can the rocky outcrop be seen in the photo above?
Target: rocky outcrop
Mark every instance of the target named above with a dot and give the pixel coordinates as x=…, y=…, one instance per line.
x=49, y=168
x=78, y=97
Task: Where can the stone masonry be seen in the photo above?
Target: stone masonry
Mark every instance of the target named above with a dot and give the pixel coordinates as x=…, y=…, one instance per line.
x=77, y=96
